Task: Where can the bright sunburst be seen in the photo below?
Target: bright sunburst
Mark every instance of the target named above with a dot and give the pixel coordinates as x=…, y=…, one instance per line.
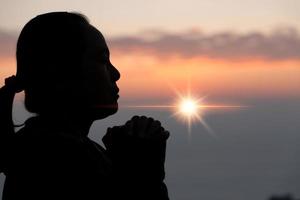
x=188, y=107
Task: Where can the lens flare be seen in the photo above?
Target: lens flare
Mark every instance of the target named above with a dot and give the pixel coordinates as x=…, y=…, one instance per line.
x=188, y=107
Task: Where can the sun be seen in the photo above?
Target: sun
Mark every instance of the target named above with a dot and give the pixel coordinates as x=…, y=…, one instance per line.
x=188, y=110
x=188, y=107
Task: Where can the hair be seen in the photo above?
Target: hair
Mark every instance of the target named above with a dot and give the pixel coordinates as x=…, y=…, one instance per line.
x=49, y=48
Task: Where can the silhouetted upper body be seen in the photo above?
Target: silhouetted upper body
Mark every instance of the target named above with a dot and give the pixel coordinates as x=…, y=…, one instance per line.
x=44, y=163
x=48, y=163
x=64, y=68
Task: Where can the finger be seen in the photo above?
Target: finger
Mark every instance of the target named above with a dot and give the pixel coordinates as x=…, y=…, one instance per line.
x=150, y=121
x=153, y=128
x=161, y=134
x=166, y=135
x=141, y=126
x=134, y=118
x=129, y=128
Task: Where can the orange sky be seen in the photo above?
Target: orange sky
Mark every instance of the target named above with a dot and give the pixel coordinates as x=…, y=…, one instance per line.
x=145, y=75
x=271, y=26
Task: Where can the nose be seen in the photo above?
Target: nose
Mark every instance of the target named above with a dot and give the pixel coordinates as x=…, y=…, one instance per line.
x=115, y=74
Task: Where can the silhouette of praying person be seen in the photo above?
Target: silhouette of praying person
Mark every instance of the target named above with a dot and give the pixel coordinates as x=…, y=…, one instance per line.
x=63, y=66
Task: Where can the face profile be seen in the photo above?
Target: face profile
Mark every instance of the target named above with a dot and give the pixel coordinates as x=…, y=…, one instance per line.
x=64, y=66
x=100, y=75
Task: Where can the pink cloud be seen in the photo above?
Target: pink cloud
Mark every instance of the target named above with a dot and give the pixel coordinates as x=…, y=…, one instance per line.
x=279, y=45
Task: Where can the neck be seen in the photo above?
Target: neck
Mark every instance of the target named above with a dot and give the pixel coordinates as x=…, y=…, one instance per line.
x=73, y=124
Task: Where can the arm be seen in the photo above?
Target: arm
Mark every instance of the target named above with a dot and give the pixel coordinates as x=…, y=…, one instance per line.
x=137, y=151
x=7, y=94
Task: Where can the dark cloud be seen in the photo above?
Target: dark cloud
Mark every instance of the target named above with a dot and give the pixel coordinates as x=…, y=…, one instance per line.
x=279, y=45
x=7, y=44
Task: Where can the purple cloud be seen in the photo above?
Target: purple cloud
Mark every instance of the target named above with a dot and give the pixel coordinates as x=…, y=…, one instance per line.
x=279, y=45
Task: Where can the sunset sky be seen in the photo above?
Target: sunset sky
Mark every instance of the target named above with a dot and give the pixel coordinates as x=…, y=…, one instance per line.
x=244, y=52
x=243, y=49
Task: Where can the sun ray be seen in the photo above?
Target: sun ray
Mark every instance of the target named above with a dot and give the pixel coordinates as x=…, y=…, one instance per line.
x=190, y=109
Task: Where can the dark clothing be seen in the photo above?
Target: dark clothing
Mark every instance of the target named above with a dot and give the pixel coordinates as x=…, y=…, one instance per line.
x=44, y=163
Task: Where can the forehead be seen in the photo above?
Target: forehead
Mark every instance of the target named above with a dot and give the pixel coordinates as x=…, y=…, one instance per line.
x=95, y=40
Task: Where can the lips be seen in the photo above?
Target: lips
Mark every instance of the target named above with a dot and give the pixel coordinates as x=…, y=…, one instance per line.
x=116, y=92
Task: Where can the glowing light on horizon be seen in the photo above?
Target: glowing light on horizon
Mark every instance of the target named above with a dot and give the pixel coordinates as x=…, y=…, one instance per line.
x=188, y=107
x=189, y=110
